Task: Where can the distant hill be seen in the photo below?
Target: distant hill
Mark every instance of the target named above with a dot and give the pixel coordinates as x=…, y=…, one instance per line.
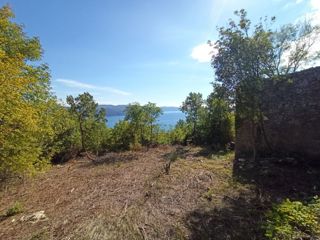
x=114, y=110
x=118, y=110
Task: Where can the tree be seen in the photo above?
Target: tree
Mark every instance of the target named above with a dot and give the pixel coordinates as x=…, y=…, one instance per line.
x=89, y=118
x=24, y=91
x=63, y=141
x=246, y=57
x=192, y=107
x=293, y=47
x=142, y=121
x=152, y=113
x=136, y=118
x=220, y=118
x=121, y=136
x=179, y=134
x=241, y=65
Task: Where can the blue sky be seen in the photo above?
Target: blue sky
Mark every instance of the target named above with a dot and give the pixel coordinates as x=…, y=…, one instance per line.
x=138, y=50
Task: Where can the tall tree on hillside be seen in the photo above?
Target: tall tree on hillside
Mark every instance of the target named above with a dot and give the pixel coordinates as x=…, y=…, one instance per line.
x=152, y=113
x=24, y=91
x=84, y=108
x=142, y=120
x=193, y=107
x=136, y=117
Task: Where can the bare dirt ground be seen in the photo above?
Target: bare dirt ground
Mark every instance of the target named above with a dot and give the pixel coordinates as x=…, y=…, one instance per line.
x=129, y=196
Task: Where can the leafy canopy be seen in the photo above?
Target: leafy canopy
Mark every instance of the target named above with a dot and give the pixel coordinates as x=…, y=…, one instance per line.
x=24, y=91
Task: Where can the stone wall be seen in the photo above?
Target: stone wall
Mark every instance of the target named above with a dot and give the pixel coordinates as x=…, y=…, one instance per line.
x=292, y=118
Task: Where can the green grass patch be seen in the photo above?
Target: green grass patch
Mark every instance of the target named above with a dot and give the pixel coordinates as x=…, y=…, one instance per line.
x=15, y=209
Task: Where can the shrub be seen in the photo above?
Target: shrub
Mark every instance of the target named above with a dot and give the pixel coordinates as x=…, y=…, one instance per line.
x=97, y=136
x=121, y=136
x=294, y=220
x=180, y=133
x=162, y=137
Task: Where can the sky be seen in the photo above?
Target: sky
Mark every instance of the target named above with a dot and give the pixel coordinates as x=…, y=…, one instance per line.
x=124, y=51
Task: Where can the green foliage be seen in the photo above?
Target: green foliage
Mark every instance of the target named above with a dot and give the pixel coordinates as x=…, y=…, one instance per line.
x=15, y=209
x=97, y=136
x=220, y=120
x=241, y=60
x=208, y=122
x=294, y=220
x=24, y=93
x=62, y=136
x=247, y=55
x=180, y=133
x=152, y=113
x=142, y=122
x=91, y=122
x=121, y=136
x=291, y=47
x=162, y=137
x=193, y=108
x=136, y=118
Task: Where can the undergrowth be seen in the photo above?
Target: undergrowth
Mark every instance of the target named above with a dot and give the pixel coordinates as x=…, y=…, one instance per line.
x=294, y=220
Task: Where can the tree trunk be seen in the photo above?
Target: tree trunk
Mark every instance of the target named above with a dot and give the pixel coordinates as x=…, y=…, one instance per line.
x=151, y=137
x=81, y=135
x=194, y=132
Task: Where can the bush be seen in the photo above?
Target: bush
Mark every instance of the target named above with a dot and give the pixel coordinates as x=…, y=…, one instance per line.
x=162, y=137
x=121, y=136
x=180, y=133
x=97, y=137
x=63, y=142
x=219, y=124
x=294, y=220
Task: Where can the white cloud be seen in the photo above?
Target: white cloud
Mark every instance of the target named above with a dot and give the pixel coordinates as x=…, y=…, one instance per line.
x=292, y=3
x=315, y=4
x=74, y=84
x=203, y=52
x=80, y=85
x=314, y=17
x=315, y=14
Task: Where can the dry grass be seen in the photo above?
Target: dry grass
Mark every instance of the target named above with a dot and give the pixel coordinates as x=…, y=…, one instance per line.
x=128, y=196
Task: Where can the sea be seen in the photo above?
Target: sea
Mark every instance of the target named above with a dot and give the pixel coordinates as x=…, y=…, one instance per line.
x=166, y=121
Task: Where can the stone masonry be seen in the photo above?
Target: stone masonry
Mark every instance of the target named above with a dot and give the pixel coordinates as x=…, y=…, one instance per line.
x=292, y=118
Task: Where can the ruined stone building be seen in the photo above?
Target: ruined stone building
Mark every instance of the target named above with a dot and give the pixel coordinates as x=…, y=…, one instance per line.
x=291, y=110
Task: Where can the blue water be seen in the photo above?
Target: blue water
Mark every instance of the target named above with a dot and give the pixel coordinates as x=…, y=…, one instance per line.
x=166, y=121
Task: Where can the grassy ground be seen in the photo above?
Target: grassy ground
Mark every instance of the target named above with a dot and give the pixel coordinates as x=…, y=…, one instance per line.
x=129, y=196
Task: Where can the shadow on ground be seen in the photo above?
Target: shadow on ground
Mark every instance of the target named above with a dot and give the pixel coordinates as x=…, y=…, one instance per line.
x=209, y=153
x=178, y=152
x=238, y=219
x=272, y=180
x=277, y=179
x=111, y=158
